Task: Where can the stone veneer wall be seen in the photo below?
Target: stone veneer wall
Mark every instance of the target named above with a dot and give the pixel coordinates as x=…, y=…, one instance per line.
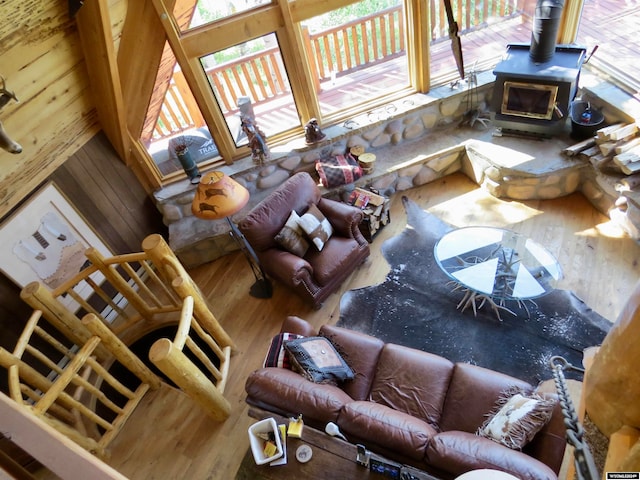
x=416, y=141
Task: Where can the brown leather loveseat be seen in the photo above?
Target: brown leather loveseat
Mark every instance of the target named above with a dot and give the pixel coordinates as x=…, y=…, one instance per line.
x=316, y=274
x=410, y=406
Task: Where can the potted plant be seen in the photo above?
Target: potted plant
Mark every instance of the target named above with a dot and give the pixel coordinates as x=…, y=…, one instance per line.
x=181, y=149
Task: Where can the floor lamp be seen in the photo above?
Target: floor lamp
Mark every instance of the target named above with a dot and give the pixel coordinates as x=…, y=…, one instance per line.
x=220, y=196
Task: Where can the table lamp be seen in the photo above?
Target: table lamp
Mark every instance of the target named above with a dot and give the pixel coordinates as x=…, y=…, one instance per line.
x=220, y=196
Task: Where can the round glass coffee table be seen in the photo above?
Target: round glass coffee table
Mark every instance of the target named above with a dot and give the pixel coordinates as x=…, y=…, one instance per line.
x=494, y=265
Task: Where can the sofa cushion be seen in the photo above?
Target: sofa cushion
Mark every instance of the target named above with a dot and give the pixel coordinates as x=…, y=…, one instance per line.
x=316, y=226
x=361, y=352
x=334, y=259
x=317, y=360
x=472, y=393
x=292, y=394
x=387, y=428
x=412, y=381
x=517, y=418
x=457, y=452
x=291, y=237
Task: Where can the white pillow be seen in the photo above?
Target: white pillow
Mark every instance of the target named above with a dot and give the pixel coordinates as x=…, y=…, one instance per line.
x=291, y=237
x=316, y=226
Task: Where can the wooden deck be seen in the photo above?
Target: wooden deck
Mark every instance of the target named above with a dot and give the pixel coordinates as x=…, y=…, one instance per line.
x=610, y=24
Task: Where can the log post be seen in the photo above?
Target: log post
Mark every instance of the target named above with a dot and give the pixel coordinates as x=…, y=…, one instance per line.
x=175, y=365
x=612, y=383
x=118, y=282
x=171, y=269
x=120, y=351
x=39, y=298
x=202, y=313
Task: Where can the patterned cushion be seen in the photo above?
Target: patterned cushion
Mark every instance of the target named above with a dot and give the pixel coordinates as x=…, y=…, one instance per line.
x=291, y=237
x=317, y=360
x=316, y=226
x=516, y=419
x=338, y=170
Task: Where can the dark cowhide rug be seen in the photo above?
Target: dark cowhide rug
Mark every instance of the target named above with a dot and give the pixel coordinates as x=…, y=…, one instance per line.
x=415, y=306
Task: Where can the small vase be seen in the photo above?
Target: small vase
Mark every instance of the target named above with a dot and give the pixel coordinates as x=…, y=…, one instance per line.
x=189, y=165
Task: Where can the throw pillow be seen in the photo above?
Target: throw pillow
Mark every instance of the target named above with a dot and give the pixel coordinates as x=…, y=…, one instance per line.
x=338, y=170
x=317, y=360
x=516, y=419
x=316, y=226
x=291, y=237
x=277, y=355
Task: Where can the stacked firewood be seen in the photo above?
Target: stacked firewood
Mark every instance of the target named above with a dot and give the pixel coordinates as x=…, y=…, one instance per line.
x=613, y=149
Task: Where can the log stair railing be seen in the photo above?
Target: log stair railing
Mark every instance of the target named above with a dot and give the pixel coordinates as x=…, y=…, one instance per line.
x=90, y=320
x=79, y=397
x=170, y=357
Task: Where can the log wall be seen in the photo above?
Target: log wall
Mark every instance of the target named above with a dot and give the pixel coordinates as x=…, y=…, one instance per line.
x=42, y=61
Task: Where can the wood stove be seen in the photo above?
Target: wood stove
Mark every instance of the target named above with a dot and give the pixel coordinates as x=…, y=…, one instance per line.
x=534, y=97
x=536, y=83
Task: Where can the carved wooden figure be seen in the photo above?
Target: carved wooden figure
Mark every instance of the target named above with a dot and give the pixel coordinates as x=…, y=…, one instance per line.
x=6, y=143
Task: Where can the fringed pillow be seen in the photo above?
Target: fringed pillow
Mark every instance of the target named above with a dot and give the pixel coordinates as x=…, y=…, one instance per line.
x=291, y=237
x=316, y=359
x=338, y=170
x=516, y=418
x=316, y=226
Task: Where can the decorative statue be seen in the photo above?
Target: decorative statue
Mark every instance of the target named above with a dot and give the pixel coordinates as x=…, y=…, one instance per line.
x=256, y=137
x=5, y=141
x=312, y=132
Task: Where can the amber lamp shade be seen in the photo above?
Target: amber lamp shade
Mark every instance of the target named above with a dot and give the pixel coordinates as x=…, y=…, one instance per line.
x=218, y=196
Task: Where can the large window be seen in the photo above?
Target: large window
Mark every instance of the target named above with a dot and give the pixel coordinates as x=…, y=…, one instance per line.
x=357, y=53
x=250, y=80
x=287, y=61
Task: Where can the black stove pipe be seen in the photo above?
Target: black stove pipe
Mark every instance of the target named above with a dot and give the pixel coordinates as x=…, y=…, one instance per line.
x=546, y=22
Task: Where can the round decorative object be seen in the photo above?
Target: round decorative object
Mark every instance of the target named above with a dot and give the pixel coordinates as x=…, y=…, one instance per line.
x=356, y=151
x=304, y=453
x=367, y=161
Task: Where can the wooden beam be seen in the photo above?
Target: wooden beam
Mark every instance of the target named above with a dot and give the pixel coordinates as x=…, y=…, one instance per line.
x=139, y=55
x=94, y=27
x=52, y=449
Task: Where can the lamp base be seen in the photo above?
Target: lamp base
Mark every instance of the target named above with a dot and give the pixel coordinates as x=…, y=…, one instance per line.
x=262, y=288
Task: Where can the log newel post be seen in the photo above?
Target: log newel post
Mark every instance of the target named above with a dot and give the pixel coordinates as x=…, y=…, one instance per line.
x=175, y=365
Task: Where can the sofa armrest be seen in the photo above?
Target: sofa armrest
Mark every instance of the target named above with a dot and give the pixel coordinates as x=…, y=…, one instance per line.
x=343, y=218
x=284, y=265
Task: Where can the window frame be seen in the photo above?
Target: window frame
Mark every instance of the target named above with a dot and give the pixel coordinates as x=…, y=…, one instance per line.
x=283, y=17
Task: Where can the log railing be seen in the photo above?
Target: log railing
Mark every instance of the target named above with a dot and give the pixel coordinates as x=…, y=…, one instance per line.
x=91, y=318
x=354, y=45
x=206, y=383
x=79, y=397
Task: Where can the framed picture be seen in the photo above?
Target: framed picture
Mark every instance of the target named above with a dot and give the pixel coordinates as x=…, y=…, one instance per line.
x=45, y=240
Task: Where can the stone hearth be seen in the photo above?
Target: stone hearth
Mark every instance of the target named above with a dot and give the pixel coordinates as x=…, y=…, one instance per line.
x=416, y=141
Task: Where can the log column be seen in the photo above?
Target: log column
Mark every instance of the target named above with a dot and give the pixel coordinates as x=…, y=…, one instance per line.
x=612, y=383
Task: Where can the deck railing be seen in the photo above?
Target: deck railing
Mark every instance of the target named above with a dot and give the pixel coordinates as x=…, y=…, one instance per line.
x=337, y=51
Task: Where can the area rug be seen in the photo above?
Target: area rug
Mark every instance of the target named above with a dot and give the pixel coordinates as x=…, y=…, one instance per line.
x=416, y=307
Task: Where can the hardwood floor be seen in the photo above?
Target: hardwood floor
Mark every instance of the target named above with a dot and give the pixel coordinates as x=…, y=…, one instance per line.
x=168, y=437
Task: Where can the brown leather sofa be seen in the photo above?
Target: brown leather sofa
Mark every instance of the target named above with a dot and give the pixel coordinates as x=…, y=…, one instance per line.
x=319, y=273
x=410, y=406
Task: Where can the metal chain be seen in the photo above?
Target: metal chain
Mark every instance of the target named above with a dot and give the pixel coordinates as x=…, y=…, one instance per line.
x=585, y=465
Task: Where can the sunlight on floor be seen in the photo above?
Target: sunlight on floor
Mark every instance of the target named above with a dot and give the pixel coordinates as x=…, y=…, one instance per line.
x=608, y=229
x=478, y=206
